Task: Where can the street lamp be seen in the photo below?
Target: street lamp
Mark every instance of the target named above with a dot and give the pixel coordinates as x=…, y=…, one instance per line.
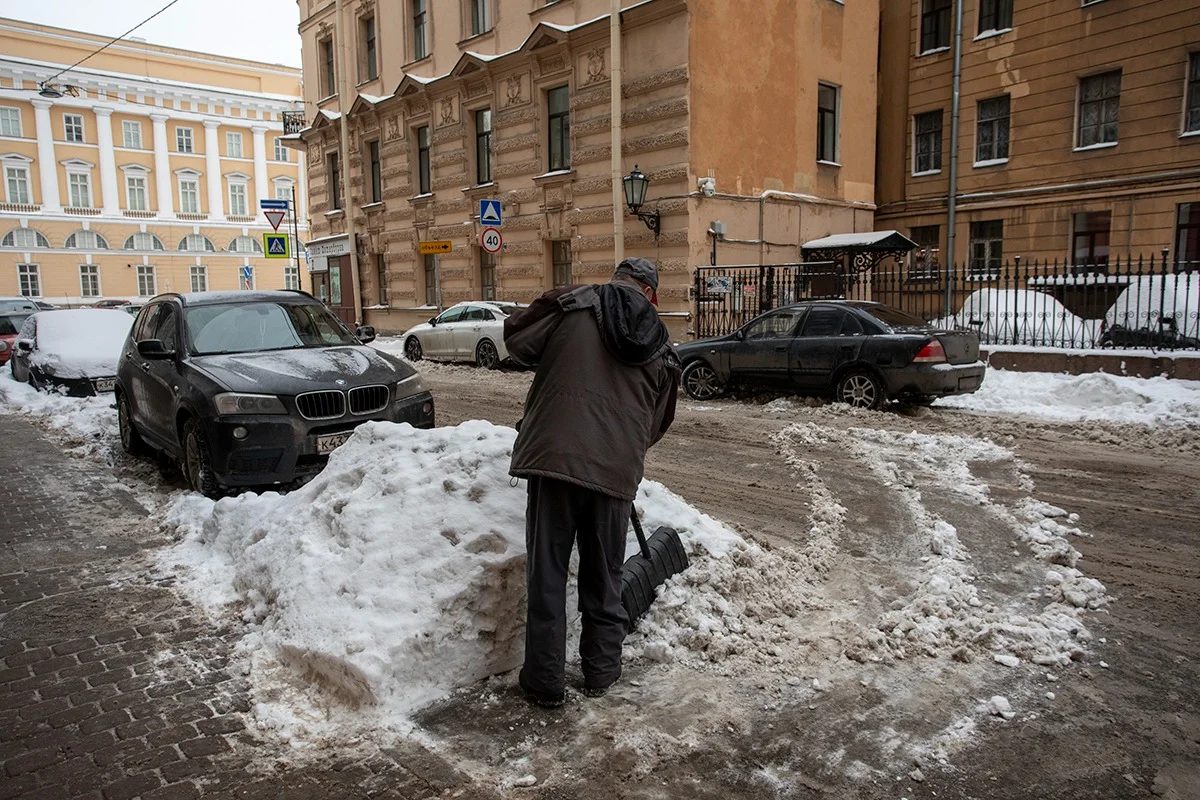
x=635, y=197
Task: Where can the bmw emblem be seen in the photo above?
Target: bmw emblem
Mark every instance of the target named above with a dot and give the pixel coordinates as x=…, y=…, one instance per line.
x=340, y=382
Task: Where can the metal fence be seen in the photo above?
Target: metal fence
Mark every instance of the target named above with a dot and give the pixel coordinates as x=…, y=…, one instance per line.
x=1149, y=302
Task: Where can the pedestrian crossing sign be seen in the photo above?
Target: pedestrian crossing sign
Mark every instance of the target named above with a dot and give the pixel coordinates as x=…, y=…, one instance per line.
x=277, y=245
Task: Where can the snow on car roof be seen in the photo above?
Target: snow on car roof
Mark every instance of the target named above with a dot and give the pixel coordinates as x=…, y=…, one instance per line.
x=80, y=342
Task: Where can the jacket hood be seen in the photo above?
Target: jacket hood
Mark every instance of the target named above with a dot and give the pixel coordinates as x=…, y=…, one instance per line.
x=629, y=324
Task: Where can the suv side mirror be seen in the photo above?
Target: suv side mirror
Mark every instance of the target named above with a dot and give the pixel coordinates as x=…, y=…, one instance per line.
x=739, y=335
x=365, y=333
x=153, y=349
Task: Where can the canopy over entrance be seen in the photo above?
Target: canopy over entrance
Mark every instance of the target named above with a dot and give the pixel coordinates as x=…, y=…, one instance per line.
x=862, y=251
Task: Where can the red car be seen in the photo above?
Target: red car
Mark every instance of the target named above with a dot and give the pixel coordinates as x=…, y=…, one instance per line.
x=10, y=325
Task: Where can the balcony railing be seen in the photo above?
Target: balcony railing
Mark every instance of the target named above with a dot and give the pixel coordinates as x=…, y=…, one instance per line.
x=192, y=217
x=80, y=211
x=241, y=218
x=21, y=208
x=139, y=214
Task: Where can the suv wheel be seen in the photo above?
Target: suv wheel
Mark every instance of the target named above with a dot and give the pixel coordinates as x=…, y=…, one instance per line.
x=197, y=463
x=131, y=440
x=486, y=355
x=861, y=389
x=412, y=349
x=700, y=381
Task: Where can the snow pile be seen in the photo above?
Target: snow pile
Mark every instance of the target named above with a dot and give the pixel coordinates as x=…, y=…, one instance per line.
x=398, y=573
x=90, y=420
x=80, y=342
x=1021, y=316
x=1151, y=298
x=1094, y=397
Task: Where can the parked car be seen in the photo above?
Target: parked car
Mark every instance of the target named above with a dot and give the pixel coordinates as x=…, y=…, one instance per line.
x=18, y=304
x=1022, y=316
x=471, y=331
x=110, y=303
x=1164, y=336
x=10, y=326
x=864, y=354
x=73, y=349
x=254, y=388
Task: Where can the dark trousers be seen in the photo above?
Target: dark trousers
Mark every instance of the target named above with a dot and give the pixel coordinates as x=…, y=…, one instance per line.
x=557, y=514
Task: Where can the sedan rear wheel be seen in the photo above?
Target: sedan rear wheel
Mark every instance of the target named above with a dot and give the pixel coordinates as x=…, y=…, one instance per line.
x=861, y=390
x=486, y=355
x=412, y=349
x=197, y=463
x=700, y=381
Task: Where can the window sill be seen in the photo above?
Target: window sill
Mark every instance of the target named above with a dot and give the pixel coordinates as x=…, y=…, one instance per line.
x=421, y=199
x=326, y=99
x=365, y=82
x=927, y=173
x=990, y=34
x=991, y=162
x=372, y=208
x=1190, y=134
x=934, y=51
x=549, y=4
x=337, y=212
x=1101, y=146
x=475, y=37
x=554, y=176
x=479, y=189
x=829, y=163
x=422, y=60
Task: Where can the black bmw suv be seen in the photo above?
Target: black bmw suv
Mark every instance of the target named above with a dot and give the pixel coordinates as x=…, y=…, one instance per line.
x=254, y=388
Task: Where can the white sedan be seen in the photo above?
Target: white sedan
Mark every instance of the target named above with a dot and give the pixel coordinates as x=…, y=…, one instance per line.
x=470, y=331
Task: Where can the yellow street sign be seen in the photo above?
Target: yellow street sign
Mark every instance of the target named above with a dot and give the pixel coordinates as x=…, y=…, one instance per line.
x=433, y=248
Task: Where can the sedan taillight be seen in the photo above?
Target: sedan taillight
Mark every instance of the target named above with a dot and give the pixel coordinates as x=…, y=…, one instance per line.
x=931, y=353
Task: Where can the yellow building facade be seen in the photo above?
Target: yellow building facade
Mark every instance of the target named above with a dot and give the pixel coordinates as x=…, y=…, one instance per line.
x=144, y=174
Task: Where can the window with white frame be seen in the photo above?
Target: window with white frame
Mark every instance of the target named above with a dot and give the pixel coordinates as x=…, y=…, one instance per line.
x=183, y=140
x=558, y=119
x=281, y=152
x=1099, y=109
x=991, y=129
x=79, y=189
x=86, y=240
x=146, y=283
x=1191, y=114
x=144, y=241
x=131, y=134
x=198, y=274
x=283, y=191
x=189, y=194
x=419, y=26
x=73, y=127
x=29, y=281
x=10, y=121
x=233, y=144
x=24, y=237
x=89, y=280
x=827, y=123
x=986, y=248
x=291, y=276
x=245, y=244
x=927, y=142
x=995, y=16
x=197, y=242
x=135, y=191
x=481, y=16
x=237, y=199
x=16, y=182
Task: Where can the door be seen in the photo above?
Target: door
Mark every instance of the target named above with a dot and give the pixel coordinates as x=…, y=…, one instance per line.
x=470, y=330
x=340, y=297
x=831, y=336
x=760, y=358
x=439, y=339
x=162, y=377
x=138, y=371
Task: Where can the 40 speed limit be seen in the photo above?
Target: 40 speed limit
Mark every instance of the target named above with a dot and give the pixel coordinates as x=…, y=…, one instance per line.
x=491, y=240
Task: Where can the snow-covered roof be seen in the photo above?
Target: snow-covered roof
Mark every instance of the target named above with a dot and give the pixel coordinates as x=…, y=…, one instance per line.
x=875, y=240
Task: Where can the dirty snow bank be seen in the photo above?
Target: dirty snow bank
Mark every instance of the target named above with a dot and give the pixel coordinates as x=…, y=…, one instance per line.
x=1094, y=397
x=397, y=574
x=90, y=421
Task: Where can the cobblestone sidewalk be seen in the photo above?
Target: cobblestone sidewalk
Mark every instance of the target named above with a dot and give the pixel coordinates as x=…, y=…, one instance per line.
x=111, y=686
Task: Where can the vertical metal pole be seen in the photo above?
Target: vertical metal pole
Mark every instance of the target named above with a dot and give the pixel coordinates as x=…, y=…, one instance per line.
x=618, y=198
x=437, y=279
x=952, y=200
x=296, y=238
x=343, y=155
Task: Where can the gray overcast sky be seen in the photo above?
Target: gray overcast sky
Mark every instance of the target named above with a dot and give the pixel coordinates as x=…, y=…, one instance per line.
x=262, y=30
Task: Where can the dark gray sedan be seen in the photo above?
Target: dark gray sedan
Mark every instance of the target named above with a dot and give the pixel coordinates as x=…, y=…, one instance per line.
x=864, y=354
x=254, y=388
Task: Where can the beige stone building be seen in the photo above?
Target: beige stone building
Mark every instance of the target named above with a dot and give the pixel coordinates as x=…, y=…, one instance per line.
x=1078, y=135
x=144, y=176
x=762, y=121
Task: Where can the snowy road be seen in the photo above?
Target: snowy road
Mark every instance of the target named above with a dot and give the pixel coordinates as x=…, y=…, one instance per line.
x=935, y=601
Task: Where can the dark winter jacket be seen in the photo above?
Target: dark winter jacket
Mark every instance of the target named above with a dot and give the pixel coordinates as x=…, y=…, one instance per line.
x=605, y=388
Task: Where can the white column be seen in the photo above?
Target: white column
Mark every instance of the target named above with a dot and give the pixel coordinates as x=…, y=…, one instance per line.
x=212, y=165
x=302, y=186
x=47, y=164
x=261, y=189
x=110, y=202
x=162, y=167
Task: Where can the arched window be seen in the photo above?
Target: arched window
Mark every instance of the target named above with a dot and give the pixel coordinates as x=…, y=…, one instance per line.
x=196, y=241
x=86, y=240
x=144, y=241
x=24, y=237
x=245, y=244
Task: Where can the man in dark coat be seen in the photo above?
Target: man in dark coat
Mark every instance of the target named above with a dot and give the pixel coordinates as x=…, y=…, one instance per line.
x=604, y=392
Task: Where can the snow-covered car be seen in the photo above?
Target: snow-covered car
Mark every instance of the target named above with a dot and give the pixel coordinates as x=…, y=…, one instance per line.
x=1022, y=316
x=71, y=349
x=254, y=388
x=10, y=326
x=470, y=331
x=1155, y=311
x=864, y=354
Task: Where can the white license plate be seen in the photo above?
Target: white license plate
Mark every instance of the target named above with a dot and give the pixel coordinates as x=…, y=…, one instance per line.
x=332, y=441
x=104, y=384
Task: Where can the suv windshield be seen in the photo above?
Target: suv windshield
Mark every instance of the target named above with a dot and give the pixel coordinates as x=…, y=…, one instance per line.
x=265, y=325
x=894, y=317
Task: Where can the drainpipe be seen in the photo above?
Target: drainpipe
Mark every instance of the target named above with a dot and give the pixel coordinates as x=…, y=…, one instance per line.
x=343, y=156
x=618, y=193
x=952, y=204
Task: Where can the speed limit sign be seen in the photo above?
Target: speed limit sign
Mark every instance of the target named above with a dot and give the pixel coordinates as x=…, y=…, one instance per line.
x=491, y=240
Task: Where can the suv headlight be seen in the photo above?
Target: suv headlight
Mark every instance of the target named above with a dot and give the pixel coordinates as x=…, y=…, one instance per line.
x=234, y=403
x=409, y=386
